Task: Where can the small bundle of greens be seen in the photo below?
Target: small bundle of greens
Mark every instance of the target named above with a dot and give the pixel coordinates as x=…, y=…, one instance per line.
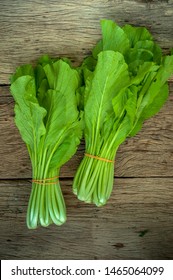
x=49, y=122
x=125, y=84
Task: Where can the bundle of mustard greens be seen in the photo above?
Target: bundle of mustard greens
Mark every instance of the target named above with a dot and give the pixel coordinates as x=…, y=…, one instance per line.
x=120, y=85
x=49, y=122
x=125, y=84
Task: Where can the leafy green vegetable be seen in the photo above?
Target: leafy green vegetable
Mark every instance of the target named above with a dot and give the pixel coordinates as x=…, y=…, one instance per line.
x=50, y=124
x=125, y=84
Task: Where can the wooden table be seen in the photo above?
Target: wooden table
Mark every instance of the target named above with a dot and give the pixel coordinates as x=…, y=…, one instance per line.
x=137, y=222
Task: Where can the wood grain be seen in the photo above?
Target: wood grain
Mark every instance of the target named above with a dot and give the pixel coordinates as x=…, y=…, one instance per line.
x=148, y=154
x=70, y=28
x=109, y=232
x=141, y=201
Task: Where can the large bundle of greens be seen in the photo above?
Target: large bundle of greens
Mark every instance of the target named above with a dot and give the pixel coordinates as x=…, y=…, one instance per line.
x=125, y=84
x=48, y=119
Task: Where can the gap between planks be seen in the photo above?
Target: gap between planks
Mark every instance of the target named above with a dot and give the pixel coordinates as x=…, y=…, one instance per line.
x=63, y=179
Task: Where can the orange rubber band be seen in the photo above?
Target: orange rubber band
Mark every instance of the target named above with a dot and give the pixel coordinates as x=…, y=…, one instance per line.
x=43, y=181
x=99, y=158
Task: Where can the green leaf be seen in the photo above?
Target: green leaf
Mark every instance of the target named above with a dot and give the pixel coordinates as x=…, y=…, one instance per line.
x=68, y=145
x=156, y=82
x=80, y=98
x=113, y=38
x=152, y=47
x=60, y=102
x=97, y=49
x=44, y=60
x=142, y=72
x=155, y=93
x=136, y=34
x=141, y=55
x=89, y=63
x=23, y=70
x=29, y=115
x=124, y=105
x=109, y=77
x=157, y=103
x=152, y=109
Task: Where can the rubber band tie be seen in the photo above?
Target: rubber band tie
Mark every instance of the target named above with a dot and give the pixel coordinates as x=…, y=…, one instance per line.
x=99, y=158
x=44, y=181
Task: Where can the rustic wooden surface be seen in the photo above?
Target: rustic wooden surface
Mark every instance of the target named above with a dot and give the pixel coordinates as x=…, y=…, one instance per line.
x=137, y=222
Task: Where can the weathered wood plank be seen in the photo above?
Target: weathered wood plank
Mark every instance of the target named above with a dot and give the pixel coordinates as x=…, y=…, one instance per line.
x=109, y=232
x=148, y=154
x=70, y=28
